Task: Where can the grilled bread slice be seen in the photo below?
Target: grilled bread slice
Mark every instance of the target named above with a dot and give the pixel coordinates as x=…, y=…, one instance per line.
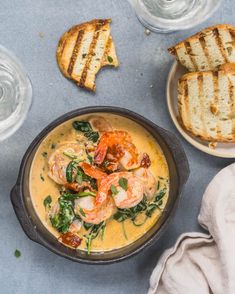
x=84, y=49
x=206, y=102
x=207, y=49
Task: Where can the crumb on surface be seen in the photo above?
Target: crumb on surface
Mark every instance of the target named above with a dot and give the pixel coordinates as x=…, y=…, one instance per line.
x=212, y=145
x=41, y=34
x=147, y=32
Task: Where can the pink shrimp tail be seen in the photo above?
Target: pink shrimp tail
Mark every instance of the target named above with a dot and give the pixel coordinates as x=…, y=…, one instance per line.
x=103, y=188
x=92, y=171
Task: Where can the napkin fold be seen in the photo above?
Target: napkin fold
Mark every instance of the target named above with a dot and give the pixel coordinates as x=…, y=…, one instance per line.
x=203, y=263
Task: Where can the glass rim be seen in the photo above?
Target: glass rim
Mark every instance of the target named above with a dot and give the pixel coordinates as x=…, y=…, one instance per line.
x=158, y=24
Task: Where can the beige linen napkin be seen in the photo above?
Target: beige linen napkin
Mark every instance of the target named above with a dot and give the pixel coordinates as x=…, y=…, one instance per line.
x=201, y=263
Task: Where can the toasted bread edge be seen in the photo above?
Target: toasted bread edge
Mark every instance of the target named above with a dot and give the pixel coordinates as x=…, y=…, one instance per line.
x=172, y=49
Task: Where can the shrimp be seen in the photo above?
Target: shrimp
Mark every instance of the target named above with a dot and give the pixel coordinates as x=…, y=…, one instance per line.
x=99, y=175
x=149, y=181
x=118, y=149
x=58, y=163
x=92, y=213
x=99, y=123
x=124, y=197
x=75, y=226
x=92, y=171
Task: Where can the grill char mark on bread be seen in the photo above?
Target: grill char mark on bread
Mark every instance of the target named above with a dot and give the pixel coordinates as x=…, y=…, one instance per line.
x=205, y=50
x=220, y=44
x=190, y=53
x=91, y=54
x=75, y=52
x=201, y=98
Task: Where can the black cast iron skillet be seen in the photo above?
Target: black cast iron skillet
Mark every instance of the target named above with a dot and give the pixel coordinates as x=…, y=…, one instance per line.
x=36, y=231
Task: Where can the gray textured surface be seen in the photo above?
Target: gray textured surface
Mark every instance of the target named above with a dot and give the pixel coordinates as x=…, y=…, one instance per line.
x=144, y=62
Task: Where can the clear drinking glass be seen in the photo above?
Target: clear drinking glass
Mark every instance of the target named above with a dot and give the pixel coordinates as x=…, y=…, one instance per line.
x=15, y=93
x=171, y=15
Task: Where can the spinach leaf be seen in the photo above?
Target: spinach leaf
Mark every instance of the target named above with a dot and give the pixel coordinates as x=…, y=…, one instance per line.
x=150, y=209
x=79, y=179
x=47, y=201
x=130, y=213
x=70, y=155
x=123, y=182
x=92, y=136
x=71, y=197
x=17, y=253
x=113, y=190
x=83, y=177
x=158, y=185
x=70, y=171
x=93, y=233
x=110, y=59
x=87, y=226
x=82, y=212
x=82, y=126
x=89, y=157
x=160, y=195
x=93, y=183
x=75, y=172
x=86, y=193
x=64, y=218
x=86, y=129
x=145, y=206
x=81, y=173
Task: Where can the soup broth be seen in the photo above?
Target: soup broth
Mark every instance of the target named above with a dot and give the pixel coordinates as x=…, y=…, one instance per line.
x=117, y=234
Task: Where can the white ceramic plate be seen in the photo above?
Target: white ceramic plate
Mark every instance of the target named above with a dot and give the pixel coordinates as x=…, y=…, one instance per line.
x=226, y=150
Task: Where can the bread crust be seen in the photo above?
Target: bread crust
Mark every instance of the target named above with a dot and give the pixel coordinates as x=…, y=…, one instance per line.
x=207, y=49
x=172, y=50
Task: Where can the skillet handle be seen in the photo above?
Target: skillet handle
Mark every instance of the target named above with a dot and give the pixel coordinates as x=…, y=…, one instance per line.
x=179, y=155
x=21, y=214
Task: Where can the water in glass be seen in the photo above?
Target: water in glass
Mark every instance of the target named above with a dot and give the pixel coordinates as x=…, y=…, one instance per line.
x=171, y=15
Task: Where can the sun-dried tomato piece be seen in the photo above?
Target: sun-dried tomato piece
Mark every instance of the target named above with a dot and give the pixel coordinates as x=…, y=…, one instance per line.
x=145, y=162
x=70, y=239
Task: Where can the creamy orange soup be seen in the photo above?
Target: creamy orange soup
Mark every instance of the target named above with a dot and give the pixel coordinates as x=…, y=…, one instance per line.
x=116, y=234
